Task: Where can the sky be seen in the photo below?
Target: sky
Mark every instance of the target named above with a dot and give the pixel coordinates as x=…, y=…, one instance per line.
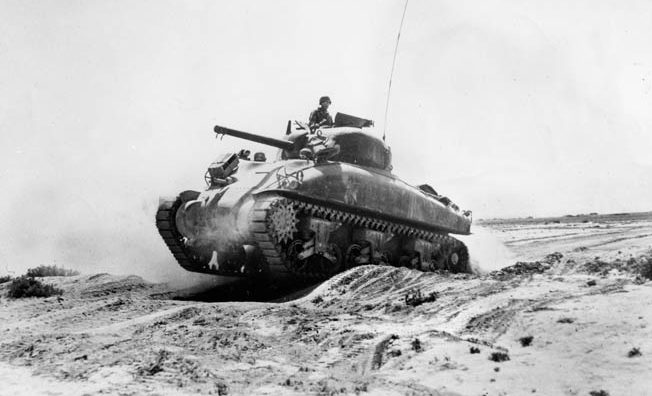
x=511, y=108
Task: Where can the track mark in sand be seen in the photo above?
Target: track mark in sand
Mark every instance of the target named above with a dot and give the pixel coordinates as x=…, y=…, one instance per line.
x=372, y=277
x=58, y=317
x=496, y=320
x=115, y=327
x=379, y=284
x=470, y=340
x=379, y=350
x=562, y=237
x=549, y=237
x=609, y=242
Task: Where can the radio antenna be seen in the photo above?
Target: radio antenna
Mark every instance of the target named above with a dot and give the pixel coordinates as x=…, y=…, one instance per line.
x=391, y=74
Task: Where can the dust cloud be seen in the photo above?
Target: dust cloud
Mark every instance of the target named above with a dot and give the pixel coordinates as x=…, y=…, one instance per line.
x=487, y=252
x=96, y=220
x=93, y=209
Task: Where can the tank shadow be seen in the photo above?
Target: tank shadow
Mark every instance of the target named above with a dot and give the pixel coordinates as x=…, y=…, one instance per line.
x=275, y=290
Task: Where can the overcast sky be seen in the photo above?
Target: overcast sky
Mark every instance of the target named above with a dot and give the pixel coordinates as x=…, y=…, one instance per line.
x=511, y=108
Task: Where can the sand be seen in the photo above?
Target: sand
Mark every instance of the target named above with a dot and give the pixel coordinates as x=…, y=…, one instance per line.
x=573, y=287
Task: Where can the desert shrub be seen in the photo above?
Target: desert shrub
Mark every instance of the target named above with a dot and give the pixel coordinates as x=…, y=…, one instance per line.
x=362, y=388
x=634, y=352
x=646, y=269
x=5, y=278
x=25, y=286
x=50, y=270
x=553, y=257
x=416, y=345
x=599, y=393
x=155, y=366
x=416, y=298
x=499, y=357
x=522, y=268
x=565, y=320
x=222, y=389
x=526, y=341
x=474, y=350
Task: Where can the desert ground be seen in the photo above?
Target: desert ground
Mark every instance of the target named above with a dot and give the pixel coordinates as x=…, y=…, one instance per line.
x=570, y=315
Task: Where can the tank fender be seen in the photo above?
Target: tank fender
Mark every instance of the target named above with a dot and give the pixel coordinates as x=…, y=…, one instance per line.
x=192, y=215
x=188, y=195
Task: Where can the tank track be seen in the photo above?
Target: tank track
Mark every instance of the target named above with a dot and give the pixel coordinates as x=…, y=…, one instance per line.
x=173, y=240
x=273, y=251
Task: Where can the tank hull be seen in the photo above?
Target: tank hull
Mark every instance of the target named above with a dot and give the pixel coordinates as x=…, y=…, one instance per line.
x=311, y=220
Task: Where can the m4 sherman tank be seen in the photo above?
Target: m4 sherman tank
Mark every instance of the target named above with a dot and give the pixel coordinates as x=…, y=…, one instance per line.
x=327, y=203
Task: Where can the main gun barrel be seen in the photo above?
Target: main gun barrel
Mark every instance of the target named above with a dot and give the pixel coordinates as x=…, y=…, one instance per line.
x=282, y=144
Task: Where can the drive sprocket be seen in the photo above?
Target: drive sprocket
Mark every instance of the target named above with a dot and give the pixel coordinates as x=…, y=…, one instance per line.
x=283, y=221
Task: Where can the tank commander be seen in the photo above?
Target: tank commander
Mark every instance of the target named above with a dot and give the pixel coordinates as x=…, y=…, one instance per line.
x=320, y=116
